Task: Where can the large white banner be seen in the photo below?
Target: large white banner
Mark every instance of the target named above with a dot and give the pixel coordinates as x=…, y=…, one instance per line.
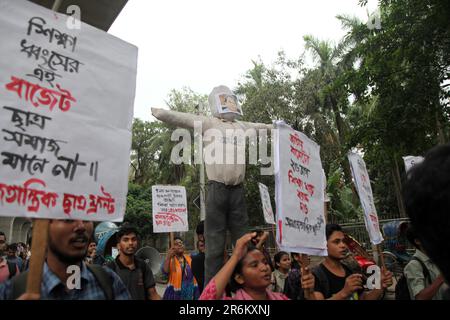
x=299, y=193
x=66, y=109
x=411, y=161
x=169, y=209
x=362, y=182
x=266, y=204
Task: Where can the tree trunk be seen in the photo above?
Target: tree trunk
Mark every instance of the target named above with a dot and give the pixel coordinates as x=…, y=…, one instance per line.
x=440, y=132
x=398, y=188
x=341, y=140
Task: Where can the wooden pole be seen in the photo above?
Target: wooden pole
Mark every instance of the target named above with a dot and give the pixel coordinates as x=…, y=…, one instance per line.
x=275, y=237
x=38, y=250
x=380, y=255
x=304, y=260
x=171, y=237
x=56, y=5
x=171, y=243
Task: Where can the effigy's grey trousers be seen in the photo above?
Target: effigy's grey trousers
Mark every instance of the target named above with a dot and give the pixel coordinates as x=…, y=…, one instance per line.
x=225, y=209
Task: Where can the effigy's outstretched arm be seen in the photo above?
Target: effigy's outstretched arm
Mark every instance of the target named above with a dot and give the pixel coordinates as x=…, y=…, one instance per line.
x=258, y=126
x=179, y=119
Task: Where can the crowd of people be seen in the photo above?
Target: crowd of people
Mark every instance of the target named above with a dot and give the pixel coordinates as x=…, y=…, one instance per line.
x=250, y=272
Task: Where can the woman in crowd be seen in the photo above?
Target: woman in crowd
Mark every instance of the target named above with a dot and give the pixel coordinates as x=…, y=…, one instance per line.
x=282, y=268
x=249, y=273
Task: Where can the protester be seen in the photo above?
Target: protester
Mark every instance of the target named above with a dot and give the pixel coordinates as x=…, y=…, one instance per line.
x=200, y=230
x=7, y=269
x=3, y=242
x=282, y=268
x=335, y=281
x=426, y=195
x=67, y=246
x=92, y=256
x=259, y=243
x=182, y=284
x=12, y=256
x=200, y=245
x=425, y=281
x=22, y=251
x=134, y=272
x=249, y=273
x=292, y=289
x=198, y=265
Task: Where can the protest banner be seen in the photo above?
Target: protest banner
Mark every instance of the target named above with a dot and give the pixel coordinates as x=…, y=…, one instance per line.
x=169, y=209
x=364, y=189
x=66, y=108
x=266, y=204
x=411, y=161
x=299, y=193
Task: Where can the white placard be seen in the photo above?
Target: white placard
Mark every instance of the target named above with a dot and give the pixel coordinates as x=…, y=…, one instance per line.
x=266, y=204
x=411, y=161
x=362, y=182
x=66, y=109
x=169, y=209
x=299, y=193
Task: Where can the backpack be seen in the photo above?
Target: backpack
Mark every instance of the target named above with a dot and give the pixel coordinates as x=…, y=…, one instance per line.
x=19, y=283
x=12, y=269
x=401, y=288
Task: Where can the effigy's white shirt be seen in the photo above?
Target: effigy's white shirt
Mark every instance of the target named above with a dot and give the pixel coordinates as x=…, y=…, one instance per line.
x=230, y=171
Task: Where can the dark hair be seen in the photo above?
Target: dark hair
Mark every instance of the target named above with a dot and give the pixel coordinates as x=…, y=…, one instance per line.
x=426, y=196
x=330, y=228
x=177, y=238
x=200, y=228
x=2, y=234
x=294, y=262
x=277, y=257
x=124, y=230
x=411, y=235
x=258, y=232
x=12, y=246
x=234, y=286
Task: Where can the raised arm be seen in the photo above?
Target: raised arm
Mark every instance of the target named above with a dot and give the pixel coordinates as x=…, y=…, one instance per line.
x=223, y=276
x=258, y=126
x=179, y=119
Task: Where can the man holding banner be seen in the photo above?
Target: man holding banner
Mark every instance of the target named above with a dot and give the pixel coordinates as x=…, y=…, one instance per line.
x=67, y=247
x=66, y=109
x=335, y=281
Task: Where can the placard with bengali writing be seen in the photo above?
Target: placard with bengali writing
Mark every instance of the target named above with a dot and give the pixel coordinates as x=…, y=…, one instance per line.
x=66, y=109
x=299, y=193
x=362, y=183
x=169, y=208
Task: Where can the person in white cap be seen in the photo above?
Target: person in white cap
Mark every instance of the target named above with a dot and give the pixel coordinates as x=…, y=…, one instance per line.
x=225, y=203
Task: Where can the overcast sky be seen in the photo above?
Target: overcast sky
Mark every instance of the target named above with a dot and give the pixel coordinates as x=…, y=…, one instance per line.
x=205, y=43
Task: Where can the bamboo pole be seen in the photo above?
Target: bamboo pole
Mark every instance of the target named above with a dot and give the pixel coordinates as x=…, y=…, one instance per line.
x=304, y=260
x=38, y=250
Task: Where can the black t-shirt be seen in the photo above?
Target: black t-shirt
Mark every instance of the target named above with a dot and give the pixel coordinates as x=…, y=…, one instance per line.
x=332, y=283
x=138, y=280
x=198, y=269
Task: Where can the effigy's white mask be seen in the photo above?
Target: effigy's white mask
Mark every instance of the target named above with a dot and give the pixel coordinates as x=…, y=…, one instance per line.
x=224, y=104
